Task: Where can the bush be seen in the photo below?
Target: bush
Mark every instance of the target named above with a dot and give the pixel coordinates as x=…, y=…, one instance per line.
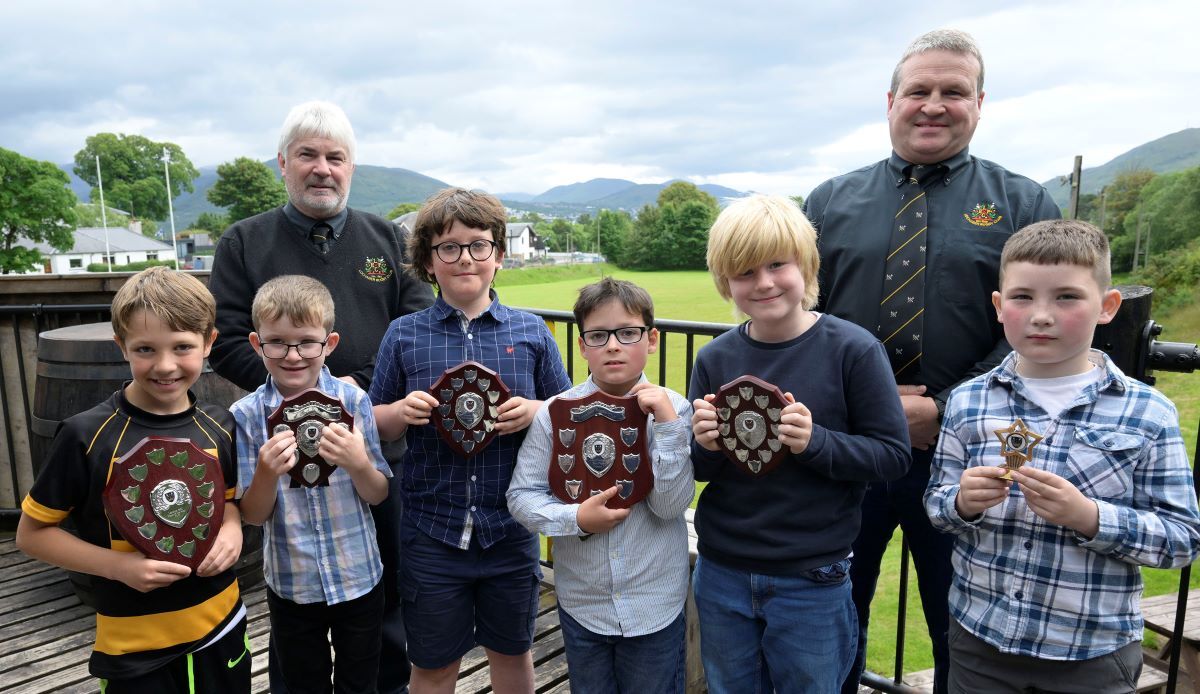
x=1173, y=276
x=131, y=267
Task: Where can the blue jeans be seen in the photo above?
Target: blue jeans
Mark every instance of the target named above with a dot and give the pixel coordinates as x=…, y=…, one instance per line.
x=886, y=505
x=761, y=633
x=599, y=664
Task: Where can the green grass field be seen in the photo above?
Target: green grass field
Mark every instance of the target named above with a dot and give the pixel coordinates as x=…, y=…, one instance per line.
x=692, y=296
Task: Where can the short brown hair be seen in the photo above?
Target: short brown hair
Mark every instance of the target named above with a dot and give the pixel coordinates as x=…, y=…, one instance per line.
x=757, y=229
x=1060, y=241
x=633, y=298
x=176, y=298
x=304, y=300
x=474, y=208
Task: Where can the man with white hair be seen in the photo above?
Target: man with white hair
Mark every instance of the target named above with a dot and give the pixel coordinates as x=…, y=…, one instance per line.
x=360, y=258
x=910, y=249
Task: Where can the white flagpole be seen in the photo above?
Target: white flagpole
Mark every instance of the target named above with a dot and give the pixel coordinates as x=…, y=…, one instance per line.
x=103, y=215
x=170, y=205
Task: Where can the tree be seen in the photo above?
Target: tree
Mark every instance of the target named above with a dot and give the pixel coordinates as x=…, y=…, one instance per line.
x=614, y=229
x=403, y=209
x=798, y=199
x=247, y=187
x=640, y=249
x=36, y=205
x=87, y=214
x=212, y=223
x=132, y=168
x=686, y=213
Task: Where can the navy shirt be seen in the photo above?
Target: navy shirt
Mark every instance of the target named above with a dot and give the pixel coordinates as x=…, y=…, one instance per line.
x=447, y=496
x=974, y=206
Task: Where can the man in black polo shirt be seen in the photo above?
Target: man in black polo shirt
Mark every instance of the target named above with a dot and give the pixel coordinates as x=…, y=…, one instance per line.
x=360, y=258
x=923, y=228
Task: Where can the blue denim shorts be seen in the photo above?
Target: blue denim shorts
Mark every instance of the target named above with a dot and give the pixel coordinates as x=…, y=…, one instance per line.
x=455, y=598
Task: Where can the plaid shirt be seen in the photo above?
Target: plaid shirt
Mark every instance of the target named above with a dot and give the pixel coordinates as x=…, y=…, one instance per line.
x=447, y=496
x=319, y=543
x=1032, y=588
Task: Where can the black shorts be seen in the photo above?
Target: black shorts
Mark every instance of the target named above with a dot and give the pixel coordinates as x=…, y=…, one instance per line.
x=221, y=668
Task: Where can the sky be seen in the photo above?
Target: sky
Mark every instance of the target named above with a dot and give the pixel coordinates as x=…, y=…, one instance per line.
x=516, y=96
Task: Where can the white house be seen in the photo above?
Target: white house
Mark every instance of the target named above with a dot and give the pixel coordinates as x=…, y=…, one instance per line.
x=523, y=244
x=124, y=247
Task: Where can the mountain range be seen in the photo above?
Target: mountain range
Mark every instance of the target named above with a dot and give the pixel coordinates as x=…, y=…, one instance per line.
x=378, y=189
x=1174, y=152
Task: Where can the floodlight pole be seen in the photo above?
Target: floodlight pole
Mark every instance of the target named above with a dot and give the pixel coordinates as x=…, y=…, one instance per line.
x=170, y=205
x=103, y=214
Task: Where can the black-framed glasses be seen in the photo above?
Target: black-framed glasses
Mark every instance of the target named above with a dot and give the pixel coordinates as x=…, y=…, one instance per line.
x=626, y=336
x=306, y=350
x=450, y=251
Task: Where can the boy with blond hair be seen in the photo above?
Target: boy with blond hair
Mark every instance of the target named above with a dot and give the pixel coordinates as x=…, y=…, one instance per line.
x=1046, y=585
x=771, y=584
x=620, y=574
x=470, y=571
x=159, y=626
x=322, y=563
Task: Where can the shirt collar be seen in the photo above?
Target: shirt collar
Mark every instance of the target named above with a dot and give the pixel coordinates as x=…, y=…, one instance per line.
x=443, y=310
x=951, y=167
x=304, y=223
x=1113, y=377
x=589, y=386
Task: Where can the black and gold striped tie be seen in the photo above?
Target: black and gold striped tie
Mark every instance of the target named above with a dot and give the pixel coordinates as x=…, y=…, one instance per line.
x=900, y=311
x=319, y=235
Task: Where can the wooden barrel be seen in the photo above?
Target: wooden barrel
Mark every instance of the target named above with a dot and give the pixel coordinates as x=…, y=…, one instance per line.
x=81, y=366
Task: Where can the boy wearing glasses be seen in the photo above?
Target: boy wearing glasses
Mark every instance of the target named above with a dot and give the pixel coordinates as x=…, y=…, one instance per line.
x=322, y=562
x=621, y=574
x=470, y=571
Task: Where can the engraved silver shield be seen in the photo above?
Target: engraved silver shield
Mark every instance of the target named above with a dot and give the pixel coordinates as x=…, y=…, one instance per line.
x=566, y=463
x=629, y=435
x=751, y=429
x=566, y=437
x=599, y=452
x=308, y=436
x=171, y=502
x=468, y=409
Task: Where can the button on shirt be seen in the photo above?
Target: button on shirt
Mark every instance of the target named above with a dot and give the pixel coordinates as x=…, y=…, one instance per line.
x=1029, y=587
x=447, y=496
x=319, y=541
x=632, y=580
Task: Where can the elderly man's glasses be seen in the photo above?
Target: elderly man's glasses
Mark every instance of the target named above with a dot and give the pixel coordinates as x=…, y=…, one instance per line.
x=450, y=251
x=626, y=336
x=306, y=350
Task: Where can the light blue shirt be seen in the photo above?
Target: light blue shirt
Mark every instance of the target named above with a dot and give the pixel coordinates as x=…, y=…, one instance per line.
x=319, y=542
x=632, y=580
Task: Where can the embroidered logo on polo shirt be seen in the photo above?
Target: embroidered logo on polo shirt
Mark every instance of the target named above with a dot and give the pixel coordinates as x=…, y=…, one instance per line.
x=983, y=214
x=376, y=270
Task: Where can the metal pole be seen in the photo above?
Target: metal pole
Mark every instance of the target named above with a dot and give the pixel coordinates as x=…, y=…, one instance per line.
x=103, y=215
x=170, y=205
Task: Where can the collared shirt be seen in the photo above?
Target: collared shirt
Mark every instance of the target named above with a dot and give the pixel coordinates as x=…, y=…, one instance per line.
x=1034, y=588
x=304, y=224
x=974, y=205
x=631, y=580
x=319, y=542
x=447, y=496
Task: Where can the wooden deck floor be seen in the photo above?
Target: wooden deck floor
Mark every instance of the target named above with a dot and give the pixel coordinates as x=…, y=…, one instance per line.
x=47, y=635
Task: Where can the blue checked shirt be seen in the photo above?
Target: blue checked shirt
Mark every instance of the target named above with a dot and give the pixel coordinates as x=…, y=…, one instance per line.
x=320, y=541
x=1032, y=588
x=632, y=580
x=447, y=496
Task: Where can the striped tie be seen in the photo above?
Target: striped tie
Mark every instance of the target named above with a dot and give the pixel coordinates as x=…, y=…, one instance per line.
x=900, y=312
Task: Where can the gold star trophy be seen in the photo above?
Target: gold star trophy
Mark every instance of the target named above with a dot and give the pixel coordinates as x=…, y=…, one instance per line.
x=1016, y=444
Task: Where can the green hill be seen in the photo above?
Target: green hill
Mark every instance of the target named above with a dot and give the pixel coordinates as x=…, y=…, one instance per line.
x=1174, y=152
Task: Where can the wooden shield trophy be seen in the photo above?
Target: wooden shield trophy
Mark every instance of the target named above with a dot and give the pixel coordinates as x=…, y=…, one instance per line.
x=599, y=442
x=307, y=414
x=748, y=411
x=469, y=398
x=167, y=498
